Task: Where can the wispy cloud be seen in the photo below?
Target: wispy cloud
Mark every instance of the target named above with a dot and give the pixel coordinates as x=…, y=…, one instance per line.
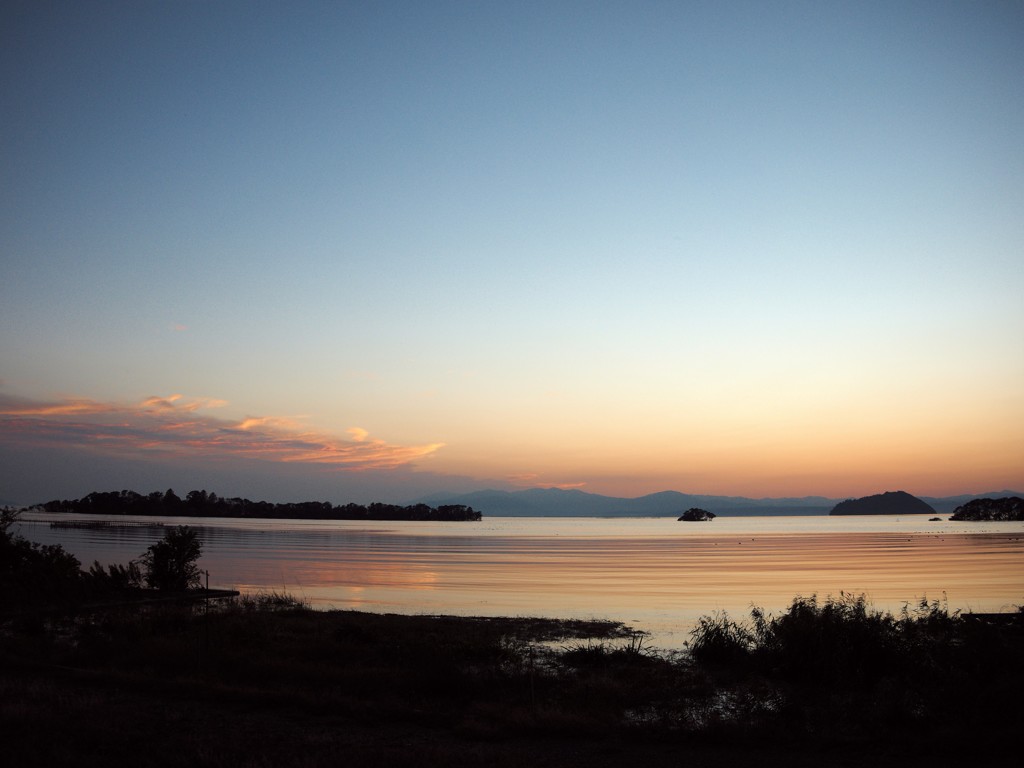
x=180, y=404
x=267, y=422
x=67, y=407
x=533, y=480
x=176, y=425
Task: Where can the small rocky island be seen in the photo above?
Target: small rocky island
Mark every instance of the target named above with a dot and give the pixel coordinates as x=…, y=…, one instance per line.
x=696, y=515
x=1009, y=508
x=888, y=503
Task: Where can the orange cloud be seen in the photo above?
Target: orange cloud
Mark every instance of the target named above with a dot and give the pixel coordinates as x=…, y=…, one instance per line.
x=358, y=434
x=11, y=407
x=252, y=422
x=171, y=403
x=172, y=425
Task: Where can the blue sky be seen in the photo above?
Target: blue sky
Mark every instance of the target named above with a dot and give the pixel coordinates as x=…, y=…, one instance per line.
x=769, y=249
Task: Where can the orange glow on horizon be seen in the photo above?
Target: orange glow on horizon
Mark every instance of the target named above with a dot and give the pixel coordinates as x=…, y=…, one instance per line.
x=626, y=458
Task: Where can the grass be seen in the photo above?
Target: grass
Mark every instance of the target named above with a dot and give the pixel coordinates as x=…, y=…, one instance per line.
x=598, y=654
x=271, y=600
x=264, y=680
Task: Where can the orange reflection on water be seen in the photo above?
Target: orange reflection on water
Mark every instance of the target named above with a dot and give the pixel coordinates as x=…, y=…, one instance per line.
x=662, y=584
x=654, y=574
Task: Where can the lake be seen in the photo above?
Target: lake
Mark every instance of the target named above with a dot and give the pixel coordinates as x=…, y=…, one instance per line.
x=655, y=574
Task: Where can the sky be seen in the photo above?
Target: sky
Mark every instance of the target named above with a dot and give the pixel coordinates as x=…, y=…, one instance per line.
x=376, y=250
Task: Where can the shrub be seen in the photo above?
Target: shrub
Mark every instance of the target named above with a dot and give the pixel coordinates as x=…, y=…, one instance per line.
x=171, y=563
x=114, y=578
x=32, y=573
x=841, y=640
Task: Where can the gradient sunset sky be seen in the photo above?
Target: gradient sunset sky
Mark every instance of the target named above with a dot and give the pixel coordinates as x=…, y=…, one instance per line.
x=373, y=250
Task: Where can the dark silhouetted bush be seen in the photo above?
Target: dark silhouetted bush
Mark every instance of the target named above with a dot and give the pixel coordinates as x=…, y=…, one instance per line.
x=171, y=563
x=31, y=573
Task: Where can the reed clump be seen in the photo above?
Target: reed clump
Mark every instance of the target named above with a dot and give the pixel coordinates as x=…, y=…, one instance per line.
x=839, y=669
x=841, y=640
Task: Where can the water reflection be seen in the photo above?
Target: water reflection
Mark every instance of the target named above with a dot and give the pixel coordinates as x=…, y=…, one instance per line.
x=655, y=574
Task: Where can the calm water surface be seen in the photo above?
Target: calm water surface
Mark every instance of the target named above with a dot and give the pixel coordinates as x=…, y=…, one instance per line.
x=655, y=574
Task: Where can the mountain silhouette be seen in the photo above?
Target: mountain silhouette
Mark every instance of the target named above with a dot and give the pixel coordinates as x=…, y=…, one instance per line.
x=560, y=502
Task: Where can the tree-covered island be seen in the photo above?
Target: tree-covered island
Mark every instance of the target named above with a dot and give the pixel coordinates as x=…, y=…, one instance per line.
x=204, y=504
x=1010, y=508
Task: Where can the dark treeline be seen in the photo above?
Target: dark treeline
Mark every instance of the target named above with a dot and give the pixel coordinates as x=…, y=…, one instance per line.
x=1009, y=508
x=203, y=504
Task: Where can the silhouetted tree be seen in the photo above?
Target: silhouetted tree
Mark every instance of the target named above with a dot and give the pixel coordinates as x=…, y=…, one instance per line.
x=196, y=499
x=171, y=563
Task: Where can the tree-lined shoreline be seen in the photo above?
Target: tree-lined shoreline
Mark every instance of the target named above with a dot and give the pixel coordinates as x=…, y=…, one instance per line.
x=200, y=503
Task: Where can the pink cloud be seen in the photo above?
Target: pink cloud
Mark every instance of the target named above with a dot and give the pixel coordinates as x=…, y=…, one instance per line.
x=174, y=426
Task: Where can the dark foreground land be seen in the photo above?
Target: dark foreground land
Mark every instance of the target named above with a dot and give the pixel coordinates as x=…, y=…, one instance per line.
x=266, y=682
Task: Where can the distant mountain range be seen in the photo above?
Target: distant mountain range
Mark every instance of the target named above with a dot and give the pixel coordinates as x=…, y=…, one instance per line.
x=555, y=502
